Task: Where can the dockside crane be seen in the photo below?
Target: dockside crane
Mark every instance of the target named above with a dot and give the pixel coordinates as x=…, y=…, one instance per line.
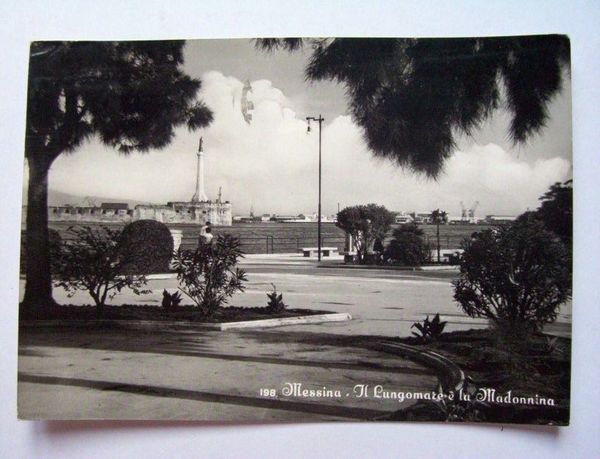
x=471, y=213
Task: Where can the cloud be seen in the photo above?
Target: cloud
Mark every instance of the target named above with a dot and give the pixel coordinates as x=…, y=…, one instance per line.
x=501, y=182
x=271, y=164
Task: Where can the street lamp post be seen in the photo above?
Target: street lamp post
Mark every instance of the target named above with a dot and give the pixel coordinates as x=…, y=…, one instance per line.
x=320, y=121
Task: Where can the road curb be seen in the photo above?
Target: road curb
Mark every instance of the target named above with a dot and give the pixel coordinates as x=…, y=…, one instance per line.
x=300, y=320
x=390, y=268
x=451, y=268
x=451, y=376
x=161, y=276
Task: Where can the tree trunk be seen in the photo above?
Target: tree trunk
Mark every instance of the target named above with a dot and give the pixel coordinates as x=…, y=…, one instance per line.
x=438, y=241
x=38, y=284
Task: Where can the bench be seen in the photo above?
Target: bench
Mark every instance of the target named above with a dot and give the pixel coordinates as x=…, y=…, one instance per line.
x=349, y=256
x=325, y=251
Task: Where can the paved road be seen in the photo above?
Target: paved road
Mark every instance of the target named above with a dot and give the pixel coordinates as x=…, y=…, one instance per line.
x=181, y=373
x=382, y=302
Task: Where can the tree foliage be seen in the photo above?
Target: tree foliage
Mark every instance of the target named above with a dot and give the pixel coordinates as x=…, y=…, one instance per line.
x=407, y=246
x=515, y=275
x=556, y=210
x=439, y=217
x=365, y=224
x=208, y=275
x=413, y=96
x=130, y=95
x=556, y=214
x=92, y=260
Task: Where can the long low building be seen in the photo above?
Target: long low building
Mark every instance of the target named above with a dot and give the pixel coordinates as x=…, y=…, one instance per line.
x=199, y=210
x=495, y=219
x=215, y=212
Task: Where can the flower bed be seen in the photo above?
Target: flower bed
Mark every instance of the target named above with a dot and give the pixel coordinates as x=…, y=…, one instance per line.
x=541, y=369
x=158, y=313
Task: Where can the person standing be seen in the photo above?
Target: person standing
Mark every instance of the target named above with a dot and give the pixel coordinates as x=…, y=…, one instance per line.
x=208, y=236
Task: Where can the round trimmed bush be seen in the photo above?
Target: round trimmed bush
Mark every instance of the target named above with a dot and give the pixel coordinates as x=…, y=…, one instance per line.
x=151, y=247
x=54, y=243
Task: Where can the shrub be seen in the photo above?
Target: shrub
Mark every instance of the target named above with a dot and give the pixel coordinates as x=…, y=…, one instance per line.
x=452, y=406
x=516, y=276
x=208, y=275
x=92, y=260
x=151, y=243
x=275, y=304
x=54, y=243
x=460, y=406
x=407, y=246
x=170, y=301
x=430, y=330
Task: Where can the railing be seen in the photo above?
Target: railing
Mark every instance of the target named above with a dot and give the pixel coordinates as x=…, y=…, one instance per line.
x=290, y=238
x=275, y=244
x=446, y=242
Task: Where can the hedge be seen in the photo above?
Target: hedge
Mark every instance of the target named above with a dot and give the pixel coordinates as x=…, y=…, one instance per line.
x=152, y=245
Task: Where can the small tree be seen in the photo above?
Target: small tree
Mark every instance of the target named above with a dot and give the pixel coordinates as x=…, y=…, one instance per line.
x=92, y=260
x=365, y=224
x=208, y=276
x=515, y=275
x=407, y=246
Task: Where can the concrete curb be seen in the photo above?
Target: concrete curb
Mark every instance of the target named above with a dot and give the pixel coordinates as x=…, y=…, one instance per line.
x=162, y=324
x=300, y=320
x=161, y=276
x=325, y=264
x=389, y=268
x=371, y=267
x=451, y=376
x=440, y=268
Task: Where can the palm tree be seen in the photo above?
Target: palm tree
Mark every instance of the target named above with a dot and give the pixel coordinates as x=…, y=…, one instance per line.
x=412, y=96
x=131, y=95
x=438, y=217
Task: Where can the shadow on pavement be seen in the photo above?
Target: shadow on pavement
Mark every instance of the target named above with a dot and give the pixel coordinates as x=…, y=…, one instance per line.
x=266, y=346
x=186, y=394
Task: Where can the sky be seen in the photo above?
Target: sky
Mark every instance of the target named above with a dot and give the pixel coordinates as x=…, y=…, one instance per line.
x=271, y=164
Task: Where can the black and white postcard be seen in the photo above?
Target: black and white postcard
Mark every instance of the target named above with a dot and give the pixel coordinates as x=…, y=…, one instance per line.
x=298, y=229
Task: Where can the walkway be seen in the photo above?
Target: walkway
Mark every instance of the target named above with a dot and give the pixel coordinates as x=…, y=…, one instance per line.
x=188, y=374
